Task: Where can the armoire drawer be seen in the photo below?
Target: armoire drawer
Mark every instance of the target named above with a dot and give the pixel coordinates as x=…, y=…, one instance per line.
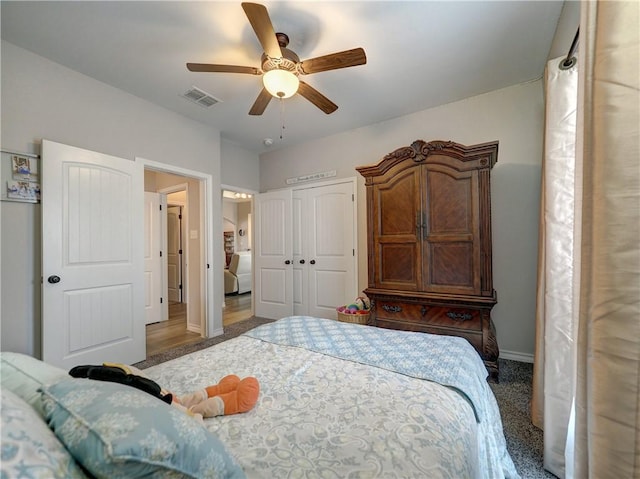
x=439, y=316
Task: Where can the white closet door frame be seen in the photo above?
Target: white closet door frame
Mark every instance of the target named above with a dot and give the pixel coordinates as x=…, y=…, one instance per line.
x=284, y=232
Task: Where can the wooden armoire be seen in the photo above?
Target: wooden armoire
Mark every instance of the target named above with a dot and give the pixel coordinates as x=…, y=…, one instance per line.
x=429, y=242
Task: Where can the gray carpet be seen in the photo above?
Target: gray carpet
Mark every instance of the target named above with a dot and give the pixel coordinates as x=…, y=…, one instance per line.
x=524, y=440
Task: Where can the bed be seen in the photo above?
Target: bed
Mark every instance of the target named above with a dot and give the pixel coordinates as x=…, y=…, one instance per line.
x=344, y=400
x=337, y=400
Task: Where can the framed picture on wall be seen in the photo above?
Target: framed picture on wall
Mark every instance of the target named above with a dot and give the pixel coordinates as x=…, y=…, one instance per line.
x=19, y=178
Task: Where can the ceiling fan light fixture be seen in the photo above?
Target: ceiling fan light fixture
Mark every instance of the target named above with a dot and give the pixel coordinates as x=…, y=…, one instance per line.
x=281, y=83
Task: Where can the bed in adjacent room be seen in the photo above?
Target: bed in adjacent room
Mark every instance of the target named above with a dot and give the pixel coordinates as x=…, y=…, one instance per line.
x=344, y=400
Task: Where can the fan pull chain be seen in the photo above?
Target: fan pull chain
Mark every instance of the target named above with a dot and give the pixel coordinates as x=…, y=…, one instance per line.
x=281, y=118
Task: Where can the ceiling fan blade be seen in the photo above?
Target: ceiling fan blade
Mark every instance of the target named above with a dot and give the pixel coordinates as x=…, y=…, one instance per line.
x=208, y=67
x=261, y=103
x=348, y=58
x=317, y=98
x=261, y=24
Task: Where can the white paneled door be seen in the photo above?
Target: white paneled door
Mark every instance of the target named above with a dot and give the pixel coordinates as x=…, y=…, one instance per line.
x=272, y=255
x=92, y=257
x=154, y=300
x=330, y=250
x=174, y=253
x=308, y=237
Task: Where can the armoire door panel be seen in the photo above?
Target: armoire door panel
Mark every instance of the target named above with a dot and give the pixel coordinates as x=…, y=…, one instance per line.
x=449, y=202
x=398, y=268
x=397, y=208
x=451, y=266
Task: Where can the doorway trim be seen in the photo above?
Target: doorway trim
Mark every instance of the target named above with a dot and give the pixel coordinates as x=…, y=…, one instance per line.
x=207, y=321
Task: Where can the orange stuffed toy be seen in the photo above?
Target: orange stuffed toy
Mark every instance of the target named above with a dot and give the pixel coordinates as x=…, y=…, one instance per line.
x=231, y=395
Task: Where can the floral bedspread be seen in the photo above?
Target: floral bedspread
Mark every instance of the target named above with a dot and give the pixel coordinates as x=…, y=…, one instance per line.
x=320, y=415
x=447, y=360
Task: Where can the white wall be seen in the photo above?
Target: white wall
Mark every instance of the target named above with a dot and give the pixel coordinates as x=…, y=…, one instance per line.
x=41, y=99
x=239, y=167
x=514, y=117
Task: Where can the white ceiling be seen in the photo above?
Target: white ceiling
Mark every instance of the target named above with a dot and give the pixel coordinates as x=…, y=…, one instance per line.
x=419, y=55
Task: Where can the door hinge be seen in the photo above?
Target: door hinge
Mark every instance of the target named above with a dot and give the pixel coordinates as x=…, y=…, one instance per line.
x=160, y=207
x=160, y=300
x=180, y=287
x=353, y=252
x=179, y=217
x=208, y=266
x=179, y=251
x=353, y=197
x=161, y=254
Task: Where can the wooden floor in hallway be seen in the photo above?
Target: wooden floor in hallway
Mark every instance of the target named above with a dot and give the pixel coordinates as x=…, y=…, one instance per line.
x=169, y=334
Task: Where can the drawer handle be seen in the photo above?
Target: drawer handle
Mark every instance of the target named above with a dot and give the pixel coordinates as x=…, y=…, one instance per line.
x=424, y=310
x=459, y=316
x=392, y=309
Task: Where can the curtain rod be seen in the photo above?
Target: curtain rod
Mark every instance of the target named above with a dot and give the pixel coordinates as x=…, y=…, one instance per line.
x=571, y=60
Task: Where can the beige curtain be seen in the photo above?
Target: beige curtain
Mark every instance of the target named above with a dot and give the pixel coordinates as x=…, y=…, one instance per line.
x=607, y=434
x=588, y=321
x=553, y=387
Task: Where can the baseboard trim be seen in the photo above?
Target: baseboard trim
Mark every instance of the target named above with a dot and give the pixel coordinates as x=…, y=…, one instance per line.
x=217, y=332
x=515, y=356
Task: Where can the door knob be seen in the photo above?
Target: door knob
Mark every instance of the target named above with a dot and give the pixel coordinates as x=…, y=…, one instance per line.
x=313, y=261
x=287, y=262
x=53, y=279
x=301, y=261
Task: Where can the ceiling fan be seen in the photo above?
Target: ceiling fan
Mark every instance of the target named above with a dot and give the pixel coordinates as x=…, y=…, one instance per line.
x=281, y=67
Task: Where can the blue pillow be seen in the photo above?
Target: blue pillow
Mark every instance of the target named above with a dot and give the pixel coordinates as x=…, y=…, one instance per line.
x=115, y=430
x=29, y=448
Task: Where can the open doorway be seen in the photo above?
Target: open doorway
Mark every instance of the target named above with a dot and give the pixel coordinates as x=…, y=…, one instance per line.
x=185, y=283
x=237, y=225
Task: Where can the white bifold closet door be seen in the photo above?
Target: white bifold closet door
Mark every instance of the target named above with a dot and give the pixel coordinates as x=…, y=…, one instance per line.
x=304, y=251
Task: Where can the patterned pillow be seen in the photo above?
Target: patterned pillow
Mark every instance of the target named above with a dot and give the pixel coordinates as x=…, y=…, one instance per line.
x=115, y=430
x=29, y=448
x=24, y=375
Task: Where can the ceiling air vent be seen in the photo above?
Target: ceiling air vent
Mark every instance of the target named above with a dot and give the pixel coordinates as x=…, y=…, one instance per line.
x=200, y=97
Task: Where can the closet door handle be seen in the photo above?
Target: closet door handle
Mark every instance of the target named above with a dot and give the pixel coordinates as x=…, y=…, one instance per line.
x=301, y=261
x=313, y=261
x=287, y=262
